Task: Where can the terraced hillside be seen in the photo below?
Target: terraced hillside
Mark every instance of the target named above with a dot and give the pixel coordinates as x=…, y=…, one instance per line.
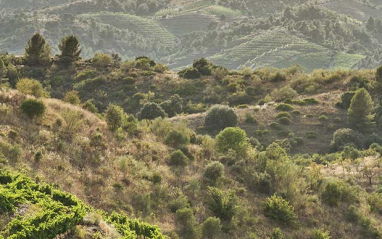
x=30, y=210
x=230, y=33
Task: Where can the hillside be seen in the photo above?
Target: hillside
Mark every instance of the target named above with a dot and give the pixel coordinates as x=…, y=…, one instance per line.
x=282, y=156
x=315, y=34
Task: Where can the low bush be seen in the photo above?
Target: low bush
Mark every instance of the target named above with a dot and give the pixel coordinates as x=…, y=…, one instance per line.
x=346, y=137
x=279, y=209
x=33, y=108
x=151, y=111
x=284, y=107
x=177, y=158
x=335, y=191
x=176, y=138
x=213, y=172
x=284, y=121
x=283, y=115
x=220, y=117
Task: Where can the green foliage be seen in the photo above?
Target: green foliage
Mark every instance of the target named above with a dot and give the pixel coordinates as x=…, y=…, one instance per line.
x=72, y=97
x=151, y=111
x=283, y=115
x=185, y=221
x=279, y=209
x=375, y=202
x=345, y=137
x=232, y=138
x=173, y=106
x=249, y=119
x=31, y=87
x=70, y=51
x=284, y=120
x=277, y=234
x=33, y=108
x=114, y=117
x=213, y=172
x=176, y=138
x=177, y=158
x=319, y=234
x=360, y=111
x=220, y=117
x=211, y=228
x=89, y=106
x=101, y=61
x=190, y=73
x=345, y=100
x=222, y=204
x=336, y=191
x=3, y=69
x=284, y=107
x=37, y=51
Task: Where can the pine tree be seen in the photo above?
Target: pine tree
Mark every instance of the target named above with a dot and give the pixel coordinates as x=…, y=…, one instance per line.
x=37, y=51
x=70, y=50
x=360, y=111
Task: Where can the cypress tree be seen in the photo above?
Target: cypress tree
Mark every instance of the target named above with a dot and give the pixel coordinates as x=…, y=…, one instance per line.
x=37, y=51
x=360, y=111
x=70, y=50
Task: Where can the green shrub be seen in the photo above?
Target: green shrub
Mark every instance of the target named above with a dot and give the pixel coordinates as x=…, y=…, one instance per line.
x=114, y=117
x=249, y=119
x=30, y=87
x=275, y=126
x=284, y=121
x=176, y=138
x=279, y=209
x=375, y=202
x=33, y=108
x=336, y=191
x=222, y=204
x=213, y=172
x=129, y=80
x=190, y=73
x=319, y=234
x=151, y=111
x=350, y=152
x=211, y=228
x=345, y=100
x=323, y=118
x=89, y=106
x=72, y=97
x=277, y=234
x=311, y=135
x=284, y=107
x=345, y=137
x=283, y=115
x=232, y=138
x=177, y=158
x=220, y=117
x=185, y=223
x=296, y=112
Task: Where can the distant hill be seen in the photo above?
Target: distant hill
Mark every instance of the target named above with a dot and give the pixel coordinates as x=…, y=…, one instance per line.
x=234, y=34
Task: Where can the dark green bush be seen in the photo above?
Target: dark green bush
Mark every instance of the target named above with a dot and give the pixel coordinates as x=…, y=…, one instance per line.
x=249, y=119
x=345, y=137
x=283, y=115
x=178, y=158
x=220, y=117
x=213, y=172
x=336, y=191
x=190, y=73
x=33, y=108
x=151, y=111
x=176, y=138
x=311, y=135
x=284, y=121
x=284, y=107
